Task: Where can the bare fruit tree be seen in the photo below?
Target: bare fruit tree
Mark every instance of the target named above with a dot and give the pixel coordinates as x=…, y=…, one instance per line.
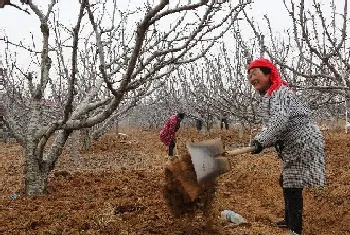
x=4, y=3
x=219, y=88
x=210, y=89
x=100, y=69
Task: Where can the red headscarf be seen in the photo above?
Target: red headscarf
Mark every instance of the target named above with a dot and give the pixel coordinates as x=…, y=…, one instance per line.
x=274, y=76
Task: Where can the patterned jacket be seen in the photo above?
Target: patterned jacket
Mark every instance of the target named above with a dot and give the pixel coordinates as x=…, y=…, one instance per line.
x=167, y=134
x=287, y=118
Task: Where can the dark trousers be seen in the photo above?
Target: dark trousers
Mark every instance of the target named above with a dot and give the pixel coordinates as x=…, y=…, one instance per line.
x=171, y=148
x=293, y=208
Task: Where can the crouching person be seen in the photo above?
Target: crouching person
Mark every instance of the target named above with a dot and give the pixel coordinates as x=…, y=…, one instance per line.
x=167, y=134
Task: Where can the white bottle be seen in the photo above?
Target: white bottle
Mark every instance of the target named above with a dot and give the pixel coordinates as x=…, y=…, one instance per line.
x=232, y=216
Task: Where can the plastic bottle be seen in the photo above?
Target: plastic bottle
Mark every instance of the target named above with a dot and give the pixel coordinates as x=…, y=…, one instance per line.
x=232, y=216
x=14, y=196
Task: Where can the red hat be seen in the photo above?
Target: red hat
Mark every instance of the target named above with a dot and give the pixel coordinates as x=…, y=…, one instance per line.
x=274, y=76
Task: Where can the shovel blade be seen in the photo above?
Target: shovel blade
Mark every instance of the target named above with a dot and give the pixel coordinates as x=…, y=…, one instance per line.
x=205, y=157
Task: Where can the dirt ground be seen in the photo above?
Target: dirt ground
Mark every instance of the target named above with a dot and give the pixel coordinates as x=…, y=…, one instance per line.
x=118, y=188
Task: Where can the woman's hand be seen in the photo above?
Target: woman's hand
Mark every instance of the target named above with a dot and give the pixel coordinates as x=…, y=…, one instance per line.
x=257, y=145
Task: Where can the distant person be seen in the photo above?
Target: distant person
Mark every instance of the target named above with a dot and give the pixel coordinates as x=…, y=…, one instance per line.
x=167, y=134
x=199, y=124
x=289, y=127
x=224, y=124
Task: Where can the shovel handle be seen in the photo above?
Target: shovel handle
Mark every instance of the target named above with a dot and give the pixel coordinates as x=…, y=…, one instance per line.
x=240, y=151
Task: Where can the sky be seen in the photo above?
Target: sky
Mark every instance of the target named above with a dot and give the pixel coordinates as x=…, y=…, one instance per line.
x=18, y=25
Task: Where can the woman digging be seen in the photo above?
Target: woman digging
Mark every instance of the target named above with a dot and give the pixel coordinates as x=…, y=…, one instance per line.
x=289, y=127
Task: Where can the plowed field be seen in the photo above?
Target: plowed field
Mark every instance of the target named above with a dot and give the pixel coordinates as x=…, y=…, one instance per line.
x=117, y=187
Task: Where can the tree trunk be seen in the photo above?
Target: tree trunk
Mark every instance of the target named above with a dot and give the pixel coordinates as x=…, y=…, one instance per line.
x=116, y=127
x=240, y=130
x=85, y=139
x=74, y=147
x=35, y=173
x=37, y=165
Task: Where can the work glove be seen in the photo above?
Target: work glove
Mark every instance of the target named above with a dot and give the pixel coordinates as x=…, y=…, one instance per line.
x=257, y=145
x=279, y=146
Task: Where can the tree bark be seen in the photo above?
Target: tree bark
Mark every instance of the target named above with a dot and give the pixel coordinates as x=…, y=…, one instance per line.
x=35, y=172
x=39, y=164
x=85, y=139
x=116, y=127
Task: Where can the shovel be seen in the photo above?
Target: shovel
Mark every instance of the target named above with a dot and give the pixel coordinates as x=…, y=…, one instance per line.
x=207, y=159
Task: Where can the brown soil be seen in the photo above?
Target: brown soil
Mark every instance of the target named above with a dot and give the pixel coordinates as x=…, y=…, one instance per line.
x=122, y=186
